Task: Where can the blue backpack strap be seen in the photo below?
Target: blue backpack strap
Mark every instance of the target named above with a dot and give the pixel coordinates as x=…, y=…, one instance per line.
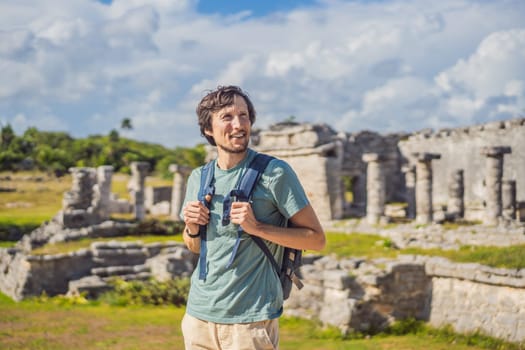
x=244, y=190
x=243, y=193
x=206, y=192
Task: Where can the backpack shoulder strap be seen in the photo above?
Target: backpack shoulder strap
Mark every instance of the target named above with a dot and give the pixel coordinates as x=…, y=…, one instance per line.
x=206, y=185
x=206, y=192
x=252, y=175
x=243, y=192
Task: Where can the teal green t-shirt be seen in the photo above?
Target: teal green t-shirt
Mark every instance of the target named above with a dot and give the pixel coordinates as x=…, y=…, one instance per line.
x=249, y=290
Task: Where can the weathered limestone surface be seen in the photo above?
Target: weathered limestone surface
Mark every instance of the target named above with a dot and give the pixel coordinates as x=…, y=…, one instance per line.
x=375, y=187
x=23, y=275
x=410, y=181
x=508, y=199
x=493, y=182
x=460, y=149
x=424, y=178
x=102, y=192
x=358, y=295
x=315, y=153
x=456, y=191
x=139, y=170
x=180, y=176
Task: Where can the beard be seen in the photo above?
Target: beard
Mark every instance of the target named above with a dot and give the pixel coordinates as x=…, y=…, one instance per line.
x=232, y=150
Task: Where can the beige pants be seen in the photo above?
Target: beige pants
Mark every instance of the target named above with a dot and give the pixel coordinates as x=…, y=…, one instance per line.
x=198, y=334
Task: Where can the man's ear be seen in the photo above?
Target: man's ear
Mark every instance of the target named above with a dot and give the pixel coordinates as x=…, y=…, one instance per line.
x=208, y=132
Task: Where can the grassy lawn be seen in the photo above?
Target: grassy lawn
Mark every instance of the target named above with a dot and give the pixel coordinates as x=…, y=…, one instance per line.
x=51, y=325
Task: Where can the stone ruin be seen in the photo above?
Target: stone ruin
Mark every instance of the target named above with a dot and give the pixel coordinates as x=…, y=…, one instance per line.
x=86, y=211
x=473, y=173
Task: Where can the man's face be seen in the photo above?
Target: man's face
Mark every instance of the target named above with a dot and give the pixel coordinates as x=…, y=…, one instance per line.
x=231, y=127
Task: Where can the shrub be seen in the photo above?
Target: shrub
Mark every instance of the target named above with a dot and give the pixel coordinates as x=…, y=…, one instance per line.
x=150, y=292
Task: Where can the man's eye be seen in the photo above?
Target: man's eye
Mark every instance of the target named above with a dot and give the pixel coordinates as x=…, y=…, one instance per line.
x=226, y=117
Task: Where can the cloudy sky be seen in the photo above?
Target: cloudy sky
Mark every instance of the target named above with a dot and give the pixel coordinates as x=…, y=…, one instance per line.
x=385, y=65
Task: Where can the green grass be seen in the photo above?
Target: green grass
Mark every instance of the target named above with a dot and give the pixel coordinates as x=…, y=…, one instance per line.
x=507, y=257
x=374, y=246
x=358, y=245
x=54, y=324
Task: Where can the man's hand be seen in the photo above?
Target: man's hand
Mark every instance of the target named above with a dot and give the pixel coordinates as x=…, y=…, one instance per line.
x=195, y=214
x=242, y=214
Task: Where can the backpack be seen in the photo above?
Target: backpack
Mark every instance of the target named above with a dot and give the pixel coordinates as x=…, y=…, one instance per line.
x=292, y=258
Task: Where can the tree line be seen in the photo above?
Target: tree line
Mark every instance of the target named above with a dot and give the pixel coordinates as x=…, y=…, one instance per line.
x=55, y=152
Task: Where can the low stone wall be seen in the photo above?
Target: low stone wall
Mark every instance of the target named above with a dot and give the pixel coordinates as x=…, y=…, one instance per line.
x=23, y=275
x=474, y=297
x=366, y=296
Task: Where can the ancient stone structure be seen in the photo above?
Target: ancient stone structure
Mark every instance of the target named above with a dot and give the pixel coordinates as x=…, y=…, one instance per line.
x=89, y=270
x=375, y=187
x=102, y=192
x=508, y=199
x=325, y=159
x=139, y=170
x=456, y=191
x=180, y=176
x=77, y=204
x=493, y=182
x=424, y=206
x=352, y=294
x=158, y=199
x=460, y=148
x=316, y=154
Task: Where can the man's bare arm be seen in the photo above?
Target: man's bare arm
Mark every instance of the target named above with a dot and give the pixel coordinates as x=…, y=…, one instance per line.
x=305, y=231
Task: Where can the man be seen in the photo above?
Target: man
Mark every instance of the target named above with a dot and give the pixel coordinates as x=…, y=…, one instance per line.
x=237, y=304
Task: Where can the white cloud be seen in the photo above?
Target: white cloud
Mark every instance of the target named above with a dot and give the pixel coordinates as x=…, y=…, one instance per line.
x=490, y=81
x=393, y=65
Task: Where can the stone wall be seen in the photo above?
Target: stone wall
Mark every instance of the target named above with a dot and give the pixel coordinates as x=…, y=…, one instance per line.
x=353, y=294
x=23, y=275
x=461, y=149
x=316, y=155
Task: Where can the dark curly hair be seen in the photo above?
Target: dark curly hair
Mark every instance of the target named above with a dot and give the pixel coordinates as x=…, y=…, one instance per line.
x=217, y=99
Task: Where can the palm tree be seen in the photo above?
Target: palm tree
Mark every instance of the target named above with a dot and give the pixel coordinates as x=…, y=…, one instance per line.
x=125, y=124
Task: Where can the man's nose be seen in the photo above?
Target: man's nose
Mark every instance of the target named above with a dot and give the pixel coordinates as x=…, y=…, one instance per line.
x=237, y=121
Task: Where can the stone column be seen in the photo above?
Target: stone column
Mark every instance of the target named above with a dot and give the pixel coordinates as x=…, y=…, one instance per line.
x=81, y=193
x=493, y=182
x=102, y=191
x=375, y=187
x=456, y=191
x=424, y=209
x=508, y=199
x=139, y=171
x=180, y=175
x=410, y=184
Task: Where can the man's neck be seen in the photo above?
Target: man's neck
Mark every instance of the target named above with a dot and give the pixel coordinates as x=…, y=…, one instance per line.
x=228, y=160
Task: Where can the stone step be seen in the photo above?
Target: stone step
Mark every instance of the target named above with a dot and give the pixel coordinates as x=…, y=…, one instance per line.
x=120, y=270
x=92, y=286
x=141, y=276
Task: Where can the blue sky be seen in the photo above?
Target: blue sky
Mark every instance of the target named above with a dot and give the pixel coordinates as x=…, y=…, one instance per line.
x=257, y=8
x=387, y=66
